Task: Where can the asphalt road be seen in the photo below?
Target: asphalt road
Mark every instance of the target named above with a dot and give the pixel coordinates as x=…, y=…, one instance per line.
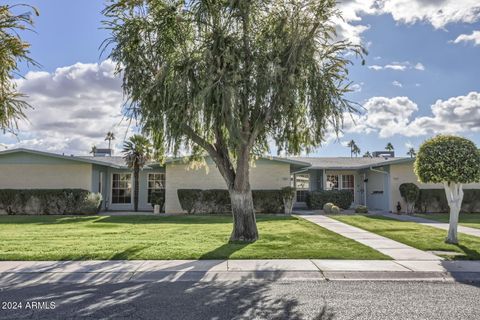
x=245, y=300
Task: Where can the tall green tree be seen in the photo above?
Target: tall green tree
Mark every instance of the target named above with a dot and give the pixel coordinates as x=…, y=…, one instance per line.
x=224, y=78
x=109, y=137
x=389, y=147
x=137, y=152
x=13, y=50
x=356, y=151
x=451, y=161
x=353, y=146
x=411, y=152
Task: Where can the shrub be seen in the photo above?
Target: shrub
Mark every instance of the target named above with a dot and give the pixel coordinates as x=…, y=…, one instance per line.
x=409, y=192
x=157, y=197
x=218, y=201
x=188, y=199
x=335, y=210
x=268, y=201
x=341, y=198
x=435, y=200
x=288, y=196
x=361, y=209
x=48, y=201
x=327, y=207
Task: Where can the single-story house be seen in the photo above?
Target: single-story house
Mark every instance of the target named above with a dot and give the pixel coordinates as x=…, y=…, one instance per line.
x=374, y=181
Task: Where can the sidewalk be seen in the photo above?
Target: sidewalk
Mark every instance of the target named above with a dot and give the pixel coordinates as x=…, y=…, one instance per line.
x=389, y=247
x=432, y=223
x=20, y=273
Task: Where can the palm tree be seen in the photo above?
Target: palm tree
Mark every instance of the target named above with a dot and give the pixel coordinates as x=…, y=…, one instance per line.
x=93, y=150
x=367, y=154
x=137, y=151
x=389, y=147
x=352, y=145
x=109, y=137
x=356, y=150
x=411, y=152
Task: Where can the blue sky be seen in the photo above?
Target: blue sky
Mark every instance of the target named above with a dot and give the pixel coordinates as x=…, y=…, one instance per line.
x=414, y=63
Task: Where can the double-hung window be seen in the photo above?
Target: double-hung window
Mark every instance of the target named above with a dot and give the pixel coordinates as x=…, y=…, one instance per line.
x=121, y=188
x=156, y=181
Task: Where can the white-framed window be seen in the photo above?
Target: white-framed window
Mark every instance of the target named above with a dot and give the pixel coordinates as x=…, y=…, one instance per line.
x=121, y=188
x=302, y=184
x=348, y=182
x=156, y=181
x=332, y=182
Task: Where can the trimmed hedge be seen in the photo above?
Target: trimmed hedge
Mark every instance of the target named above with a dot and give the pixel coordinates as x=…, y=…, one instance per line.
x=196, y=201
x=435, y=201
x=49, y=201
x=158, y=198
x=341, y=198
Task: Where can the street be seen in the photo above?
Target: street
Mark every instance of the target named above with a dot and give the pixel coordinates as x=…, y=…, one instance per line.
x=242, y=300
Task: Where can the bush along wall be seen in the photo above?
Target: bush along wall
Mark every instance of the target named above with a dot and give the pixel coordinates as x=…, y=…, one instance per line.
x=49, y=201
x=215, y=201
x=435, y=201
x=340, y=198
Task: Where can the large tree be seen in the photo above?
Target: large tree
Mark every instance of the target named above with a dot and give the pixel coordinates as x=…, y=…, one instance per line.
x=13, y=49
x=228, y=77
x=451, y=161
x=137, y=151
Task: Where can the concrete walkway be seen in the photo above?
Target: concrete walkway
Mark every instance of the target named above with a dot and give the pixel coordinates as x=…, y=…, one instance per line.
x=432, y=223
x=391, y=248
x=32, y=272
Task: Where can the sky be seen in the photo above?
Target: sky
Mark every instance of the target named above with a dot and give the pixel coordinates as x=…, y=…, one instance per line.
x=421, y=77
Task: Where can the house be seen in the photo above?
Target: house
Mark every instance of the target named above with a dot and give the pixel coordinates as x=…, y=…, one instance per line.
x=373, y=181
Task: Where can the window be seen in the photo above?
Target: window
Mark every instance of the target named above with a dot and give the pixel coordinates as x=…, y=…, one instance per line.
x=348, y=182
x=332, y=182
x=156, y=181
x=302, y=184
x=121, y=188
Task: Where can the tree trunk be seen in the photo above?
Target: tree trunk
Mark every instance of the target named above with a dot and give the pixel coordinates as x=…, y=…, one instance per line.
x=454, y=193
x=244, y=224
x=135, y=188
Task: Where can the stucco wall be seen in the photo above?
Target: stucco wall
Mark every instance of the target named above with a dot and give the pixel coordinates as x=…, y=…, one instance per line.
x=402, y=173
x=45, y=176
x=265, y=174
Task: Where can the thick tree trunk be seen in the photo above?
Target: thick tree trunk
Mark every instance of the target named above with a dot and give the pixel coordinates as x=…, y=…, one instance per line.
x=135, y=188
x=454, y=193
x=244, y=224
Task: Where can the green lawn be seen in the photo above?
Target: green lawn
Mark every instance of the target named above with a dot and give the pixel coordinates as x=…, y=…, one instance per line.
x=415, y=235
x=466, y=219
x=150, y=237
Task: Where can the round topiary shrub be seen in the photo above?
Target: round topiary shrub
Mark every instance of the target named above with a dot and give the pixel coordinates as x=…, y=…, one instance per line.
x=327, y=207
x=335, y=210
x=361, y=209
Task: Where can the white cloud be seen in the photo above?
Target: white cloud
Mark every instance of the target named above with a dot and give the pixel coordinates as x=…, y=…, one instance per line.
x=391, y=116
x=397, y=84
x=375, y=67
x=419, y=66
x=357, y=87
x=74, y=107
x=397, y=67
x=473, y=37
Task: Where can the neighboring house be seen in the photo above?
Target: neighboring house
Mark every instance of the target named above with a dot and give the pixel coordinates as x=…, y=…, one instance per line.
x=373, y=181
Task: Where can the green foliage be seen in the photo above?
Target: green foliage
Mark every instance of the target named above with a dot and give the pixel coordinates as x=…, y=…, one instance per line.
x=196, y=201
x=361, y=209
x=137, y=151
x=157, y=197
x=335, y=210
x=188, y=199
x=435, y=200
x=12, y=51
x=49, y=201
x=288, y=193
x=409, y=192
x=448, y=159
x=341, y=198
x=327, y=207
x=225, y=75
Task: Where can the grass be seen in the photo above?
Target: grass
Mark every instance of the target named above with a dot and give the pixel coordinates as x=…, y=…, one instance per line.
x=186, y=237
x=466, y=219
x=416, y=235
